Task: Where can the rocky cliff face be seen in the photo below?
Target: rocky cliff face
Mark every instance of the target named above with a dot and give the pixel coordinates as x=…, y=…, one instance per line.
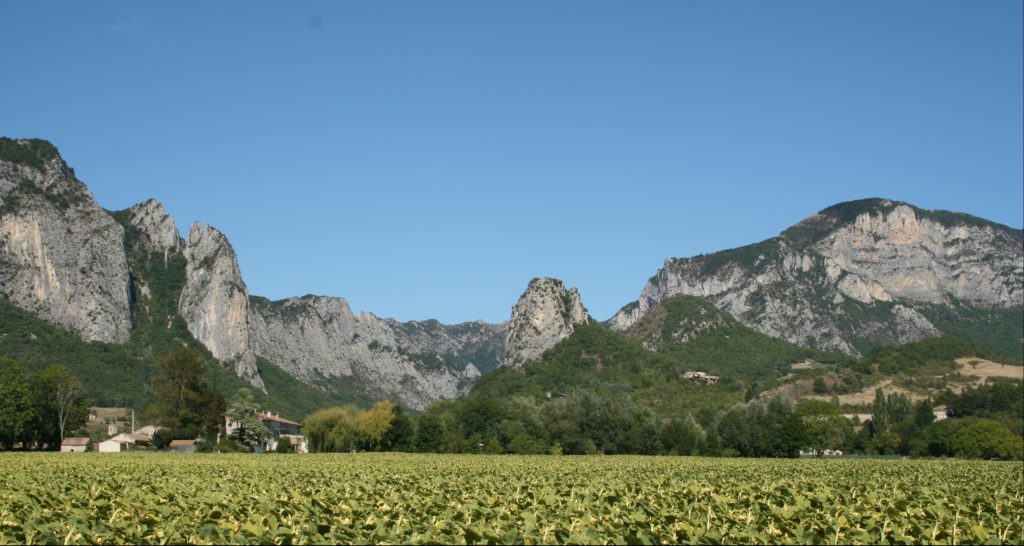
x=544, y=315
x=853, y=276
x=157, y=231
x=61, y=256
x=80, y=267
x=215, y=302
x=315, y=337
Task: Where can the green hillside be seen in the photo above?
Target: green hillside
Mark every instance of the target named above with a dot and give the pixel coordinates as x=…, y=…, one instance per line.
x=598, y=360
x=119, y=375
x=648, y=362
x=692, y=331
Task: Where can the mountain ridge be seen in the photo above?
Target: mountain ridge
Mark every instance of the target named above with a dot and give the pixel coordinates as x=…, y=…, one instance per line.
x=854, y=276
x=187, y=290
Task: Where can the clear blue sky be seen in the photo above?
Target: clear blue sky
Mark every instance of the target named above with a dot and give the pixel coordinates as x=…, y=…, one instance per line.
x=427, y=159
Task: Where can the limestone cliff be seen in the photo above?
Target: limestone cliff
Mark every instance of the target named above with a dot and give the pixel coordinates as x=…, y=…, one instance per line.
x=544, y=315
x=156, y=228
x=855, y=275
x=316, y=337
x=61, y=255
x=215, y=302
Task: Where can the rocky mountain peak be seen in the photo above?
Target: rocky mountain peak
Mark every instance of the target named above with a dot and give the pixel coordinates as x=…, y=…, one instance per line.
x=61, y=255
x=215, y=302
x=544, y=315
x=157, y=231
x=855, y=275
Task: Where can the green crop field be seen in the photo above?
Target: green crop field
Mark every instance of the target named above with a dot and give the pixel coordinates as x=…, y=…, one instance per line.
x=373, y=498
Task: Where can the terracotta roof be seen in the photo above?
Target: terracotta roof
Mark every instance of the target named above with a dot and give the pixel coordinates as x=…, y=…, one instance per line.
x=75, y=442
x=182, y=443
x=278, y=418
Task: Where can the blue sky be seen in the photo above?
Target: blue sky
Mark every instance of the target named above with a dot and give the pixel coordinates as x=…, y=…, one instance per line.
x=427, y=159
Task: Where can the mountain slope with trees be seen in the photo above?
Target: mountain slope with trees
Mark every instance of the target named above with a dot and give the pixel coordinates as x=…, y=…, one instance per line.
x=862, y=274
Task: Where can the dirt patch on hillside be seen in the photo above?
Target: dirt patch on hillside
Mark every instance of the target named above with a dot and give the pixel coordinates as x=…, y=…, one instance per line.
x=973, y=372
x=867, y=396
x=985, y=369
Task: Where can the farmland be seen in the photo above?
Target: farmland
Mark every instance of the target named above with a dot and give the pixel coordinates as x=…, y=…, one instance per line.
x=361, y=498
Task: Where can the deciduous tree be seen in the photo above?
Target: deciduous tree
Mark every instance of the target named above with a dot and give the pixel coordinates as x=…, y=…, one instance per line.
x=59, y=401
x=15, y=403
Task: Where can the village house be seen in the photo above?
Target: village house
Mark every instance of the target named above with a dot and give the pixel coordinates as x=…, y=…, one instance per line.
x=182, y=446
x=281, y=429
x=124, y=441
x=148, y=430
x=821, y=453
x=115, y=444
x=74, y=445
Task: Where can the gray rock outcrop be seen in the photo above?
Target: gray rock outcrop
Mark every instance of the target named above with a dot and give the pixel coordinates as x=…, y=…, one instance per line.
x=61, y=256
x=852, y=275
x=215, y=302
x=157, y=230
x=315, y=338
x=544, y=315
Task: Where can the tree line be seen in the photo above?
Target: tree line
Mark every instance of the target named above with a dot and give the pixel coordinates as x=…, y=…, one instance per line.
x=37, y=411
x=980, y=425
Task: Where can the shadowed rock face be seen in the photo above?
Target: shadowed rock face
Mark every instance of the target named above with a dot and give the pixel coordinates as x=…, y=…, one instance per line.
x=61, y=256
x=544, y=315
x=316, y=337
x=215, y=303
x=854, y=273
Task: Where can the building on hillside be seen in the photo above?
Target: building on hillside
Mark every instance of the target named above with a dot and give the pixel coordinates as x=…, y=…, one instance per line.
x=701, y=377
x=182, y=446
x=940, y=412
x=74, y=445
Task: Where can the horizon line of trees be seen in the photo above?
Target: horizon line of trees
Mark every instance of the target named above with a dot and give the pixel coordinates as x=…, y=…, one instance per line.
x=984, y=422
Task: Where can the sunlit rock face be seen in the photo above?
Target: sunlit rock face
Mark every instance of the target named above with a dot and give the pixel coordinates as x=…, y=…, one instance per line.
x=854, y=275
x=315, y=338
x=215, y=302
x=62, y=257
x=544, y=315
